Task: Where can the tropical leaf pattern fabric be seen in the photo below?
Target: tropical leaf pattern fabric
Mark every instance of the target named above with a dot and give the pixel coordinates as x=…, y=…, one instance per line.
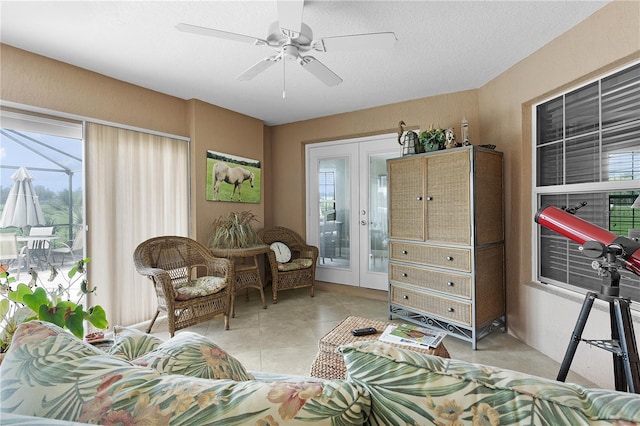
x=130, y=343
x=48, y=373
x=192, y=354
x=410, y=388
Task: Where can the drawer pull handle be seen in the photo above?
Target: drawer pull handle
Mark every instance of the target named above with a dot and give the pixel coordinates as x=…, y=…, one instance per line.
x=419, y=198
x=450, y=310
x=404, y=274
x=405, y=297
x=404, y=252
x=449, y=258
x=429, y=198
x=450, y=284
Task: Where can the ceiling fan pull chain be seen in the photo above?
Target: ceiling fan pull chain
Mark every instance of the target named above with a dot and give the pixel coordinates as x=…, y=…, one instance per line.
x=284, y=79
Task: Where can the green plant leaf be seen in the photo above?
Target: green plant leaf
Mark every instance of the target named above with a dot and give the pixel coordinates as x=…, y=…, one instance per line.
x=4, y=307
x=36, y=299
x=97, y=317
x=18, y=294
x=53, y=315
x=74, y=321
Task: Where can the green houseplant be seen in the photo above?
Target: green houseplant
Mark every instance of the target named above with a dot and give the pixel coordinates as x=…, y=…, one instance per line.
x=432, y=139
x=234, y=231
x=33, y=301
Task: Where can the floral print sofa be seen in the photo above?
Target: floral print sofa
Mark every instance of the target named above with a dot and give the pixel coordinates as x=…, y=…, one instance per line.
x=188, y=380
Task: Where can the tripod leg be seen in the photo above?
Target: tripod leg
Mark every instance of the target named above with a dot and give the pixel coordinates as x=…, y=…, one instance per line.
x=576, y=336
x=619, y=358
x=630, y=358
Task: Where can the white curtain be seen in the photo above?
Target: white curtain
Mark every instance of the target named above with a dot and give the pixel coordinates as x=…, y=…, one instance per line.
x=137, y=188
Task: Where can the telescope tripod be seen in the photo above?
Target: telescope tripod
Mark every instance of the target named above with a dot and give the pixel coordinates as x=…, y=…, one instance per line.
x=626, y=363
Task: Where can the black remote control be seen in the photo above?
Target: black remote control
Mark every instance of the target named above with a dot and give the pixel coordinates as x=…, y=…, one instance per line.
x=364, y=331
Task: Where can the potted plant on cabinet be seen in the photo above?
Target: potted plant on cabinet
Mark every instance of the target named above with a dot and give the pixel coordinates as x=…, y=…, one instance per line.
x=432, y=139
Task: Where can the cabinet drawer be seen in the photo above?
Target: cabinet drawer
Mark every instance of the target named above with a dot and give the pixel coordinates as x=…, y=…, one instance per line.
x=452, y=310
x=457, y=285
x=444, y=257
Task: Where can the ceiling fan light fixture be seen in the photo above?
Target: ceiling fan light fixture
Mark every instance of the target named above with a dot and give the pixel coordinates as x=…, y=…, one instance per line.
x=290, y=38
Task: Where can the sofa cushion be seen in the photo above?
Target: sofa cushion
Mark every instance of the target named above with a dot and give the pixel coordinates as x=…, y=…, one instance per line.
x=295, y=264
x=130, y=343
x=199, y=287
x=194, y=355
x=412, y=388
x=43, y=375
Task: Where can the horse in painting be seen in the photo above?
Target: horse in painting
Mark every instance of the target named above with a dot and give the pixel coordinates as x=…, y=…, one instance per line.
x=233, y=176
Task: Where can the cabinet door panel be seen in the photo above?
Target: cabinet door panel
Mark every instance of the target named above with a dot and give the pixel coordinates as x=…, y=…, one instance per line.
x=447, y=198
x=406, y=198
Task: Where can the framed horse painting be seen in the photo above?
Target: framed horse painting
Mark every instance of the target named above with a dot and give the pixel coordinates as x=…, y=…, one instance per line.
x=232, y=178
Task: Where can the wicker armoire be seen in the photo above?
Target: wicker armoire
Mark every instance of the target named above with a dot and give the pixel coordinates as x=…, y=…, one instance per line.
x=446, y=249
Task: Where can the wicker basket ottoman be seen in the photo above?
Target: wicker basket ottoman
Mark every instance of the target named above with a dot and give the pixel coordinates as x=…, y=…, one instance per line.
x=329, y=363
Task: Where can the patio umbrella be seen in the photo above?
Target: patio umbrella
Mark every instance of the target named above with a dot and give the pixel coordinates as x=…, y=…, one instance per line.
x=22, y=207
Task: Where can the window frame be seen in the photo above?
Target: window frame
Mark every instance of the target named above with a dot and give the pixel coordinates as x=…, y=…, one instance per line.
x=568, y=190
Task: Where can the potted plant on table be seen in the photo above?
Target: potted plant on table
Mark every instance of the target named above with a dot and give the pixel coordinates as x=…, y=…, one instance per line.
x=26, y=302
x=234, y=231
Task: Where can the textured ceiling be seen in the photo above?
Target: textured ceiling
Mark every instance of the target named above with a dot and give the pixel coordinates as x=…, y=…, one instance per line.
x=442, y=47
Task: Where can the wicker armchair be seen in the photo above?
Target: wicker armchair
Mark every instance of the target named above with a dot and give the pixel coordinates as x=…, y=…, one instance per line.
x=175, y=264
x=281, y=275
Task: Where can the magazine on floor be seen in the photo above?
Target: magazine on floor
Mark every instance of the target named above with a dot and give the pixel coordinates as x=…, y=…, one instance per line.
x=412, y=335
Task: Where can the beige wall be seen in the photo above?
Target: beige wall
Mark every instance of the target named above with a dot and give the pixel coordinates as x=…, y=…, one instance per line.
x=218, y=129
x=37, y=81
x=542, y=318
x=288, y=142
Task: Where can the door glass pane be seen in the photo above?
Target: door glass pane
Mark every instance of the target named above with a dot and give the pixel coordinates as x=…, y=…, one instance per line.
x=41, y=200
x=378, y=228
x=333, y=181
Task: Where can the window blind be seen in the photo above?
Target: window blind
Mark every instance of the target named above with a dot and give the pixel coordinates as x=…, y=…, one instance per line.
x=589, y=138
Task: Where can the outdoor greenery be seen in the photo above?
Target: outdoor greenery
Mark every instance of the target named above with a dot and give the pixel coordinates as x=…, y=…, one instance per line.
x=24, y=302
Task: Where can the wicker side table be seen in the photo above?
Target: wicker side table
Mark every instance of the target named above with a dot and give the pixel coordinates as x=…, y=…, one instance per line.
x=247, y=271
x=329, y=363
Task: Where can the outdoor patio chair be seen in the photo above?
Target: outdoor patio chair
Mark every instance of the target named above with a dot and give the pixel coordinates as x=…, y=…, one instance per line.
x=10, y=253
x=298, y=272
x=75, y=249
x=191, y=284
x=40, y=248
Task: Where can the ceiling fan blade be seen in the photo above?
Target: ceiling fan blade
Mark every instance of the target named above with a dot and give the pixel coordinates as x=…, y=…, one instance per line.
x=210, y=32
x=290, y=16
x=257, y=68
x=356, y=42
x=319, y=70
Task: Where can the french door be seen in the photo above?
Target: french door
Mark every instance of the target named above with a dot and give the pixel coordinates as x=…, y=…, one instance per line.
x=347, y=209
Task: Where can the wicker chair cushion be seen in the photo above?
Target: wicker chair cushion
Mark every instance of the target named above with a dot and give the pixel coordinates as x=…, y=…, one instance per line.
x=194, y=355
x=199, y=287
x=130, y=343
x=295, y=264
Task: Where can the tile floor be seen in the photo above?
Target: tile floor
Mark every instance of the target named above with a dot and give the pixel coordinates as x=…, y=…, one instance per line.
x=284, y=337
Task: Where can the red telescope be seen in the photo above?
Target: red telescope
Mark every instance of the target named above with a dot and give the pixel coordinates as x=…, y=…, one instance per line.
x=581, y=231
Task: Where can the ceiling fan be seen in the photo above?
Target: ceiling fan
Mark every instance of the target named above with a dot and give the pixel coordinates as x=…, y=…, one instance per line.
x=290, y=38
